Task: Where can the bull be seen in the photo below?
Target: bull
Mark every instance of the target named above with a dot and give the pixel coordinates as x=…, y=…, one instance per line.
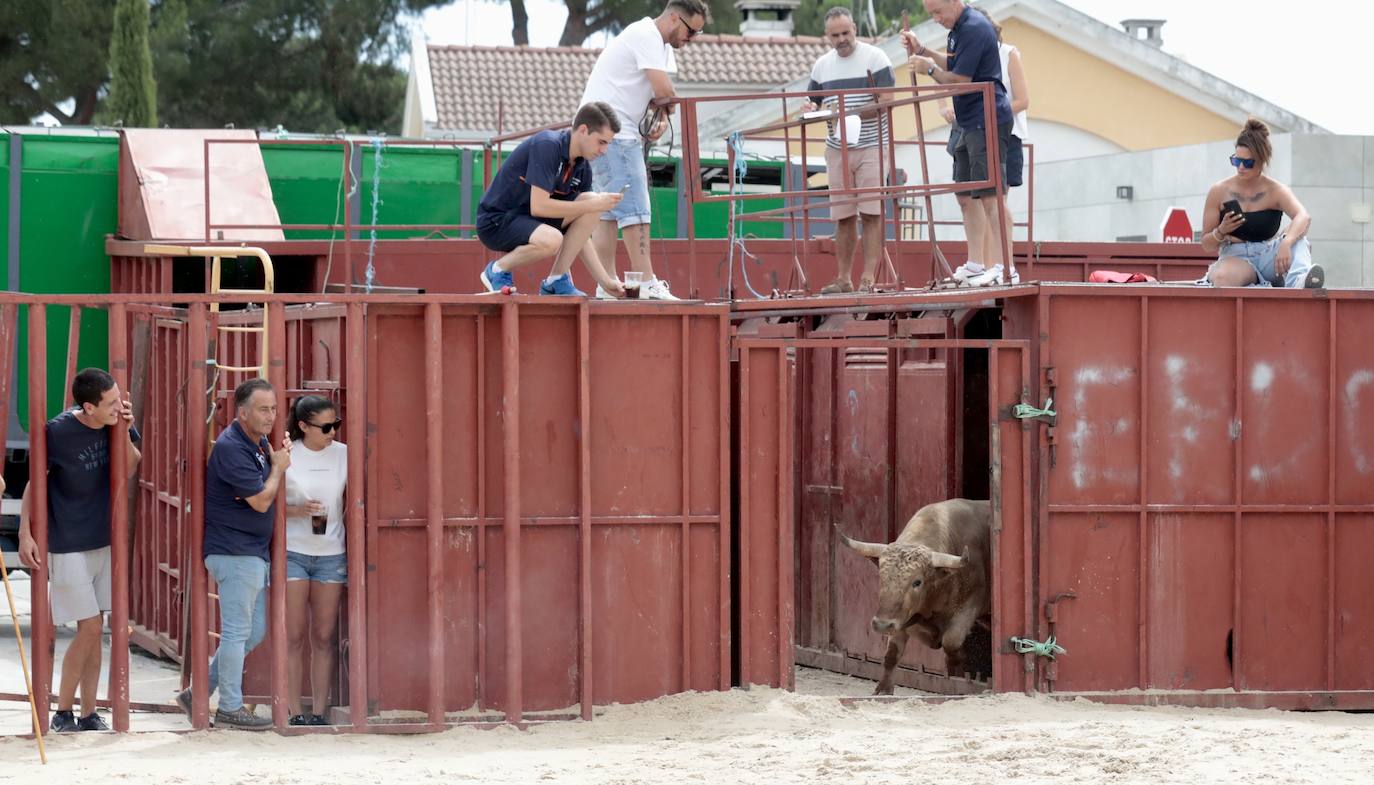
x=933, y=582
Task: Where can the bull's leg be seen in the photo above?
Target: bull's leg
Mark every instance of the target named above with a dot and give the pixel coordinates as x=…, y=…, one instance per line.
x=953, y=641
x=924, y=631
x=896, y=643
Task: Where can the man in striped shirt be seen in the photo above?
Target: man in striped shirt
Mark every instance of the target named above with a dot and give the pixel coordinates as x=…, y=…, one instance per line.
x=852, y=64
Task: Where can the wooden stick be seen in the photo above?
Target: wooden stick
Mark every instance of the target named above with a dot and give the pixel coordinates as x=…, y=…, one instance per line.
x=24, y=664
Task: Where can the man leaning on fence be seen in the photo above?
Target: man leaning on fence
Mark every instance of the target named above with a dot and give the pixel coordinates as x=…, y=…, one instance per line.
x=241, y=482
x=78, y=555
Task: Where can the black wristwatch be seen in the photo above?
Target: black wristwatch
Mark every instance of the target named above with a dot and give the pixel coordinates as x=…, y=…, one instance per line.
x=930, y=71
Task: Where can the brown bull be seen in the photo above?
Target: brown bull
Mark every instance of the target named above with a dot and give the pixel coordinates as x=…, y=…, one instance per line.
x=927, y=591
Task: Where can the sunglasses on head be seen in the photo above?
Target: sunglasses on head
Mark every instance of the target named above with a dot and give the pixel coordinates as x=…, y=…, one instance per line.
x=1248, y=163
x=326, y=427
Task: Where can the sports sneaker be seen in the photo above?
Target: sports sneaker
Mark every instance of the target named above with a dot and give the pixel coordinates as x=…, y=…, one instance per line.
x=838, y=286
x=184, y=701
x=561, y=285
x=299, y=719
x=494, y=279
x=991, y=276
x=602, y=294
x=318, y=719
x=1316, y=278
x=63, y=722
x=657, y=289
x=241, y=718
x=92, y=721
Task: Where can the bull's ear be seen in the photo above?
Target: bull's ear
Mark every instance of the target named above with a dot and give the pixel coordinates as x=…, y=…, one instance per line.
x=870, y=549
x=944, y=561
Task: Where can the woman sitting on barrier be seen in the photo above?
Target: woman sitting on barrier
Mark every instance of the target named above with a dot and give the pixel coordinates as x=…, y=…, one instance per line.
x=316, y=565
x=1241, y=223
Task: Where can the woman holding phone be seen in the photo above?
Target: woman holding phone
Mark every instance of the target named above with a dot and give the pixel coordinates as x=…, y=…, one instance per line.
x=316, y=565
x=1241, y=223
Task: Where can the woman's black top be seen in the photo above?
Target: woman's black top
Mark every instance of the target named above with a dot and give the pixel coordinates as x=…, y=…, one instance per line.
x=1259, y=226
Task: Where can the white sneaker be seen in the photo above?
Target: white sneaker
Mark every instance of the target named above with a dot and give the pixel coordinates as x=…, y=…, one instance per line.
x=991, y=276
x=602, y=294
x=964, y=272
x=656, y=289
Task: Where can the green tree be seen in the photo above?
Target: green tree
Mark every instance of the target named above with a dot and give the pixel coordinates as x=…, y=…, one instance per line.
x=52, y=52
x=133, y=92
x=308, y=65
x=589, y=17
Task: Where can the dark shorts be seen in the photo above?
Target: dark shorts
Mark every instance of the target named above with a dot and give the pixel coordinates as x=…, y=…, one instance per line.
x=1016, y=162
x=504, y=232
x=971, y=158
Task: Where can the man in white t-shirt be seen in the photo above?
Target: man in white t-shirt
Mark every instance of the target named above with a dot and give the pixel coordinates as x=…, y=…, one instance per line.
x=630, y=72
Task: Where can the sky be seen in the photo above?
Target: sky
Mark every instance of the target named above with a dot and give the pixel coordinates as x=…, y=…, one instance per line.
x=1306, y=56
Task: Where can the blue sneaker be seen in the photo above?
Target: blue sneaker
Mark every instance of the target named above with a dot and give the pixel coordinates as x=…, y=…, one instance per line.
x=561, y=285
x=494, y=279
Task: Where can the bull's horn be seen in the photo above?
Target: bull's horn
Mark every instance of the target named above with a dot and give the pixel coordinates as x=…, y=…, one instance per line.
x=870, y=549
x=945, y=561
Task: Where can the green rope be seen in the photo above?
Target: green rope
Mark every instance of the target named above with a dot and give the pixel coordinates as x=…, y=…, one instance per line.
x=1031, y=646
x=1025, y=411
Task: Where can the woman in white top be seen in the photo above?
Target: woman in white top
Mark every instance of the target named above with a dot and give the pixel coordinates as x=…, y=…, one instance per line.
x=316, y=566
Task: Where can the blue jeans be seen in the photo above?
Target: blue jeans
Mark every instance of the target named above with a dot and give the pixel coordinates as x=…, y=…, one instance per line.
x=622, y=163
x=242, y=621
x=1261, y=257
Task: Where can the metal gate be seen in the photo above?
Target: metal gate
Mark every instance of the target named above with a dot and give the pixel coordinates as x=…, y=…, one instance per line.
x=881, y=424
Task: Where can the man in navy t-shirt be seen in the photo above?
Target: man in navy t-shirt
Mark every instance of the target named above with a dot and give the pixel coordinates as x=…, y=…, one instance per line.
x=971, y=56
x=541, y=204
x=78, y=443
x=241, y=482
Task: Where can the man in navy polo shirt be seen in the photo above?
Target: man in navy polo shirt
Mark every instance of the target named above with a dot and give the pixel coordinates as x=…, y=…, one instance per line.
x=971, y=56
x=541, y=204
x=241, y=482
x=79, y=533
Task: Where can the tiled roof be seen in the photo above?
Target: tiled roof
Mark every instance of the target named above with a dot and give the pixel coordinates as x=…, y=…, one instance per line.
x=535, y=86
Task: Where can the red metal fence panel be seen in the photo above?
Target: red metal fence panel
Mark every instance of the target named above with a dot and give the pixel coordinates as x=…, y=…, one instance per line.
x=1205, y=486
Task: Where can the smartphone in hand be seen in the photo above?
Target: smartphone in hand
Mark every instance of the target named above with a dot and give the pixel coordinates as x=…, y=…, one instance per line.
x=1231, y=206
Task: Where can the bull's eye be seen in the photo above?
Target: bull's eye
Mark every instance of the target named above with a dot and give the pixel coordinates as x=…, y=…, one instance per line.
x=916, y=584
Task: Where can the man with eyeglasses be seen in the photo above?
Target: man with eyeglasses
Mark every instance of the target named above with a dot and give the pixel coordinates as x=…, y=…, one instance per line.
x=631, y=72
x=241, y=482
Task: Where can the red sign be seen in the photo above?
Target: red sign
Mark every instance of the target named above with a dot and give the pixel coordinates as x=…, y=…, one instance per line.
x=1176, y=227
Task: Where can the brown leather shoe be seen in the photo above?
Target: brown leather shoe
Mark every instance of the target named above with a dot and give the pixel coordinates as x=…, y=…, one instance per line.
x=838, y=286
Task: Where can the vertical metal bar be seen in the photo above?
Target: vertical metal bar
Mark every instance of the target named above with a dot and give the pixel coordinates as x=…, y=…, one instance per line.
x=205, y=179
x=74, y=348
x=893, y=357
x=119, y=520
x=480, y=427
x=745, y=518
x=584, y=532
x=348, y=182
x=1040, y=561
x=510, y=423
x=1237, y=671
x=1030, y=210
x=1029, y=513
x=354, y=522
x=41, y=638
x=785, y=542
x=686, y=551
x=276, y=372
x=995, y=496
x=1143, y=532
x=372, y=538
x=691, y=187
x=16, y=187
x=723, y=530
x=465, y=191
x=434, y=498
x=1331, y=402
x=197, y=411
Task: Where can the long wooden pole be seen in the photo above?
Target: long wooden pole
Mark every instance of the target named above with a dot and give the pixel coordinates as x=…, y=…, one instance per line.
x=24, y=664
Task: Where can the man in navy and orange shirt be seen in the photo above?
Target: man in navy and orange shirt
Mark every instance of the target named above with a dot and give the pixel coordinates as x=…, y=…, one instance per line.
x=541, y=204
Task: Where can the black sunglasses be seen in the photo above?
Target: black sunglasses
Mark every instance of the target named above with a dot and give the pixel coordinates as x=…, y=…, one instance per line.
x=1248, y=163
x=326, y=427
x=692, y=32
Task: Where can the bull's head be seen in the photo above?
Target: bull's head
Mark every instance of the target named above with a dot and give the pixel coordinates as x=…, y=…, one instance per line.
x=906, y=573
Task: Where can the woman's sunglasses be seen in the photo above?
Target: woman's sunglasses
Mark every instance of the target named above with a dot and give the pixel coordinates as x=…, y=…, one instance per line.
x=1248, y=163
x=326, y=427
